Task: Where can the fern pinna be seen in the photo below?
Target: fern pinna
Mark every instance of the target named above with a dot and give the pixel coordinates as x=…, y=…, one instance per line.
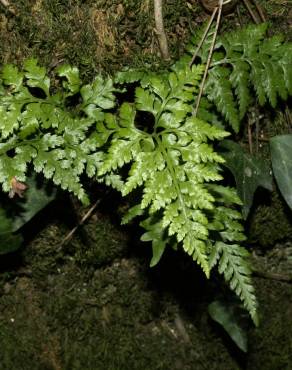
x=178, y=171
x=245, y=63
x=38, y=130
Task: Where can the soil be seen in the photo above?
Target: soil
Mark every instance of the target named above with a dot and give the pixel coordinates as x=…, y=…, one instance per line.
x=94, y=303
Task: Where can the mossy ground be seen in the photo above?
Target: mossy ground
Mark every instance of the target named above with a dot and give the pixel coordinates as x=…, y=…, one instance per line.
x=94, y=303
x=59, y=310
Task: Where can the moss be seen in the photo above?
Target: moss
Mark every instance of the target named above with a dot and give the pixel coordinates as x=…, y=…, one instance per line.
x=270, y=344
x=72, y=315
x=93, y=35
x=271, y=222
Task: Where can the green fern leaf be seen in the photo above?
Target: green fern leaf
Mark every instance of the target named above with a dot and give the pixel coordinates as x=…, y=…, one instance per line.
x=172, y=165
x=72, y=82
x=155, y=234
x=245, y=61
x=236, y=270
x=36, y=76
x=12, y=76
x=42, y=133
x=219, y=90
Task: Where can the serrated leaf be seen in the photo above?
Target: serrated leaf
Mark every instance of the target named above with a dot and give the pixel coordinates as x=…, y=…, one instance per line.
x=233, y=264
x=72, y=76
x=155, y=234
x=12, y=76
x=99, y=93
x=36, y=75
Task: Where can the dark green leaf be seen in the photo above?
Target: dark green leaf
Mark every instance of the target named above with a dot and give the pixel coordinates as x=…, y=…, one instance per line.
x=281, y=152
x=9, y=242
x=37, y=196
x=249, y=172
x=224, y=314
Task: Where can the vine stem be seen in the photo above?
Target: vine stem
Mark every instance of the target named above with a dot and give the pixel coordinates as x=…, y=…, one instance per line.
x=219, y=9
x=159, y=30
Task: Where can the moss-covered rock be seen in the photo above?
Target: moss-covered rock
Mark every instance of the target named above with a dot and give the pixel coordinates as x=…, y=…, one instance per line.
x=271, y=221
x=93, y=35
x=56, y=313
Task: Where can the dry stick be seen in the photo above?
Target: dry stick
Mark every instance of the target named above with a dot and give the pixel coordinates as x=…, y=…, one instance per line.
x=273, y=276
x=219, y=8
x=8, y=6
x=248, y=6
x=257, y=135
x=80, y=223
x=249, y=134
x=5, y=3
x=260, y=11
x=203, y=37
x=159, y=29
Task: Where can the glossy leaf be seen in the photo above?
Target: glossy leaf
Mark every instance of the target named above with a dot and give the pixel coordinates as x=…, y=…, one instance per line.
x=281, y=152
x=225, y=316
x=249, y=172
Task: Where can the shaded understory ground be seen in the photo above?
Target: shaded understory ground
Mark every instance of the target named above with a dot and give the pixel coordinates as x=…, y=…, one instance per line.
x=95, y=304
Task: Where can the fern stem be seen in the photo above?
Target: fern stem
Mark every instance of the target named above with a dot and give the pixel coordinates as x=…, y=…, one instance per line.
x=253, y=16
x=220, y=4
x=173, y=175
x=203, y=37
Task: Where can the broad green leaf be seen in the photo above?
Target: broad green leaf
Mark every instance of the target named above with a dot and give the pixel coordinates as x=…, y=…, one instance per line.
x=281, y=153
x=249, y=172
x=225, y=315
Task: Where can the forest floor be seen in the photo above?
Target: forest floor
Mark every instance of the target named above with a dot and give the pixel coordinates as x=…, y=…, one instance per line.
x=94, y=303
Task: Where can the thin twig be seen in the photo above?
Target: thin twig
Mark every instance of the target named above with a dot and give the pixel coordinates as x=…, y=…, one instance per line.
x=159, y=29
x=260, y=11
x=257, y=125
x=239, y=15
x=204, y=36
x=273, y=276
x=219, y=8
x=80, y=223
x=252, y=14
x=249, y=134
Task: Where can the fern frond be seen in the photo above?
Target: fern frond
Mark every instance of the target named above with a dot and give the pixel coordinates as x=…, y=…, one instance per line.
x=41, y=133
x=233, y=264
x=173, y=166
x=245, y=61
